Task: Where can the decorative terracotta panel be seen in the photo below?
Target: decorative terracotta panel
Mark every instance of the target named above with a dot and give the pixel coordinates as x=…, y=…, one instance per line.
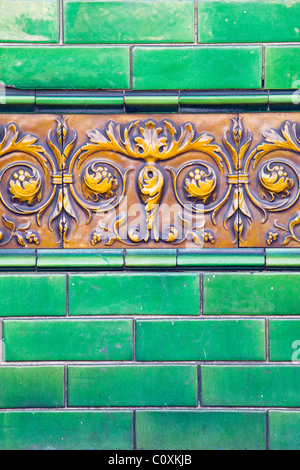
x=145, y=181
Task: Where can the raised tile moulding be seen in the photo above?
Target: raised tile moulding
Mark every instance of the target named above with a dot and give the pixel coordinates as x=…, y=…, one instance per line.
x=138, y=181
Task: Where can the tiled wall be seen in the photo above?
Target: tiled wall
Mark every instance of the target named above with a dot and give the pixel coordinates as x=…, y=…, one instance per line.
x=150, y=44
x=141, y=349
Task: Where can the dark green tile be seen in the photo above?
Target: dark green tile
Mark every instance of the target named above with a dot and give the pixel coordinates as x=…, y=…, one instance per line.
x=221, y=258
x=132, y=386
x=282, y=258
x=200, y=430
x=150, y=258
x=282, y=65
x=200, y=340
x=134, y=294
x=128, y=21
x=251, y=293
x=17, y=259
x=87, y=340
x=284, y=340
x=169, y=68
x=237, y=21
x=142, y=102
x=65, y=430
x=80, y=259
x=16, y=101
x=79, y=102
x=245, y=385
x=96, y=67
x=32, y=295
x=29, y=21
x=31, y=387
x=284, y=430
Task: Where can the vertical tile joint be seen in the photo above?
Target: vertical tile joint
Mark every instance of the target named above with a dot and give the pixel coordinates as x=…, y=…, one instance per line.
x=134, y=429
x=201, y=294
x=61, y=22
x=66, y=386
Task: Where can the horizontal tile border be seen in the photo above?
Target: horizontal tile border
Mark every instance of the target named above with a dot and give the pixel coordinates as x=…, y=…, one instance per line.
x=116, y=102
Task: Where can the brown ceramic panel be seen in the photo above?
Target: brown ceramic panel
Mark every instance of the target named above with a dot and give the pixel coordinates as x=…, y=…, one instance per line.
x=269, y=180
x=140, y=181
x=31, y=199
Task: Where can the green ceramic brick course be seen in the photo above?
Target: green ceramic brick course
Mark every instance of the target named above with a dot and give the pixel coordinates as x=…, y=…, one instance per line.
x=200, y=340
x=86, y=340
x=283, y=258
x=284, y=430
x=284, y=340
x=32, y=295
x=235, y=21
x=200, y=430
x=65, y=67
x=169, y=68
x=31, y=387
x=29, y=21
x=17, y=259
x=128, y=21
x=251, y=293
x=277, y=386
x=132, y=386
x=65, y=430
x=79, y=259
x=150, y=258
x=134, y=294
x=221, y=258
x=282, y=65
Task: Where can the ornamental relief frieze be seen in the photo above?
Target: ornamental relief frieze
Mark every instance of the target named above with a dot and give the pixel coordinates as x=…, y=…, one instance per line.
x=121, y=181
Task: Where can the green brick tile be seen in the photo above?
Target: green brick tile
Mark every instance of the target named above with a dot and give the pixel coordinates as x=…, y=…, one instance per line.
x=223, y=102
x=17, y=259
x=65, y=430
x=245, y=385
x=79, y=102
x=284, y=430
x=150, y=258
x=134, y=294
x=16, y=101
x=140, y=102
x=283, y=258
x=29, y=21
x=282, y=65
x=128, y=21
x=31, y=387
x=251, y=293
x=200, y=340
x=284, y=342
x=200, y=430
x=87, y=340
x=248, y=21
x=55, y=67
x=221, y=258
x=79, y=259
x=32, y=295
x=132, y=386
x=170, y=68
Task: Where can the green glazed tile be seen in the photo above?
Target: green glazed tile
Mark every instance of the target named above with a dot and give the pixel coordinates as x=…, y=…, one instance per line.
x=190, y=99
x=44, y=340
x=284, y=340
x=29, y=21
x=284, y=430
x=282, y=65
x=132, y=386
x=200, y=340
x=200, y=430
x=31, y=387
x=150, y=258
x=221, y=258
x=17, y=259
x=251, y=294
x=284, y=258
x=250, y=386
x=160, y=103
x=16, y=101
x=96, y=67
x=128, y=21
x=65, y=430
x=134, y=294
x=79, y=102
x=236, y=21
x=32, y=295
x=79, y=259
x=169, y=68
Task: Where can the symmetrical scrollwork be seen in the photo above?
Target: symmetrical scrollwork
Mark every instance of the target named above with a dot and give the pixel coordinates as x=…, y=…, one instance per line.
x=226, y=183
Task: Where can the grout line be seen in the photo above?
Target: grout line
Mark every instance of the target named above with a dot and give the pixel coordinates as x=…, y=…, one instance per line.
x=66, y=386
x=150, y=44
x=130, y=68
x=267, y=430
x=199, y=386
x=134, y=339
x=1, y=342
x=196, y=22
x=263, y=67
x=61, y=22
x=134, y=429
x=201, y=294
x=67, y=295
x=267, y=340
x=184, y=363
